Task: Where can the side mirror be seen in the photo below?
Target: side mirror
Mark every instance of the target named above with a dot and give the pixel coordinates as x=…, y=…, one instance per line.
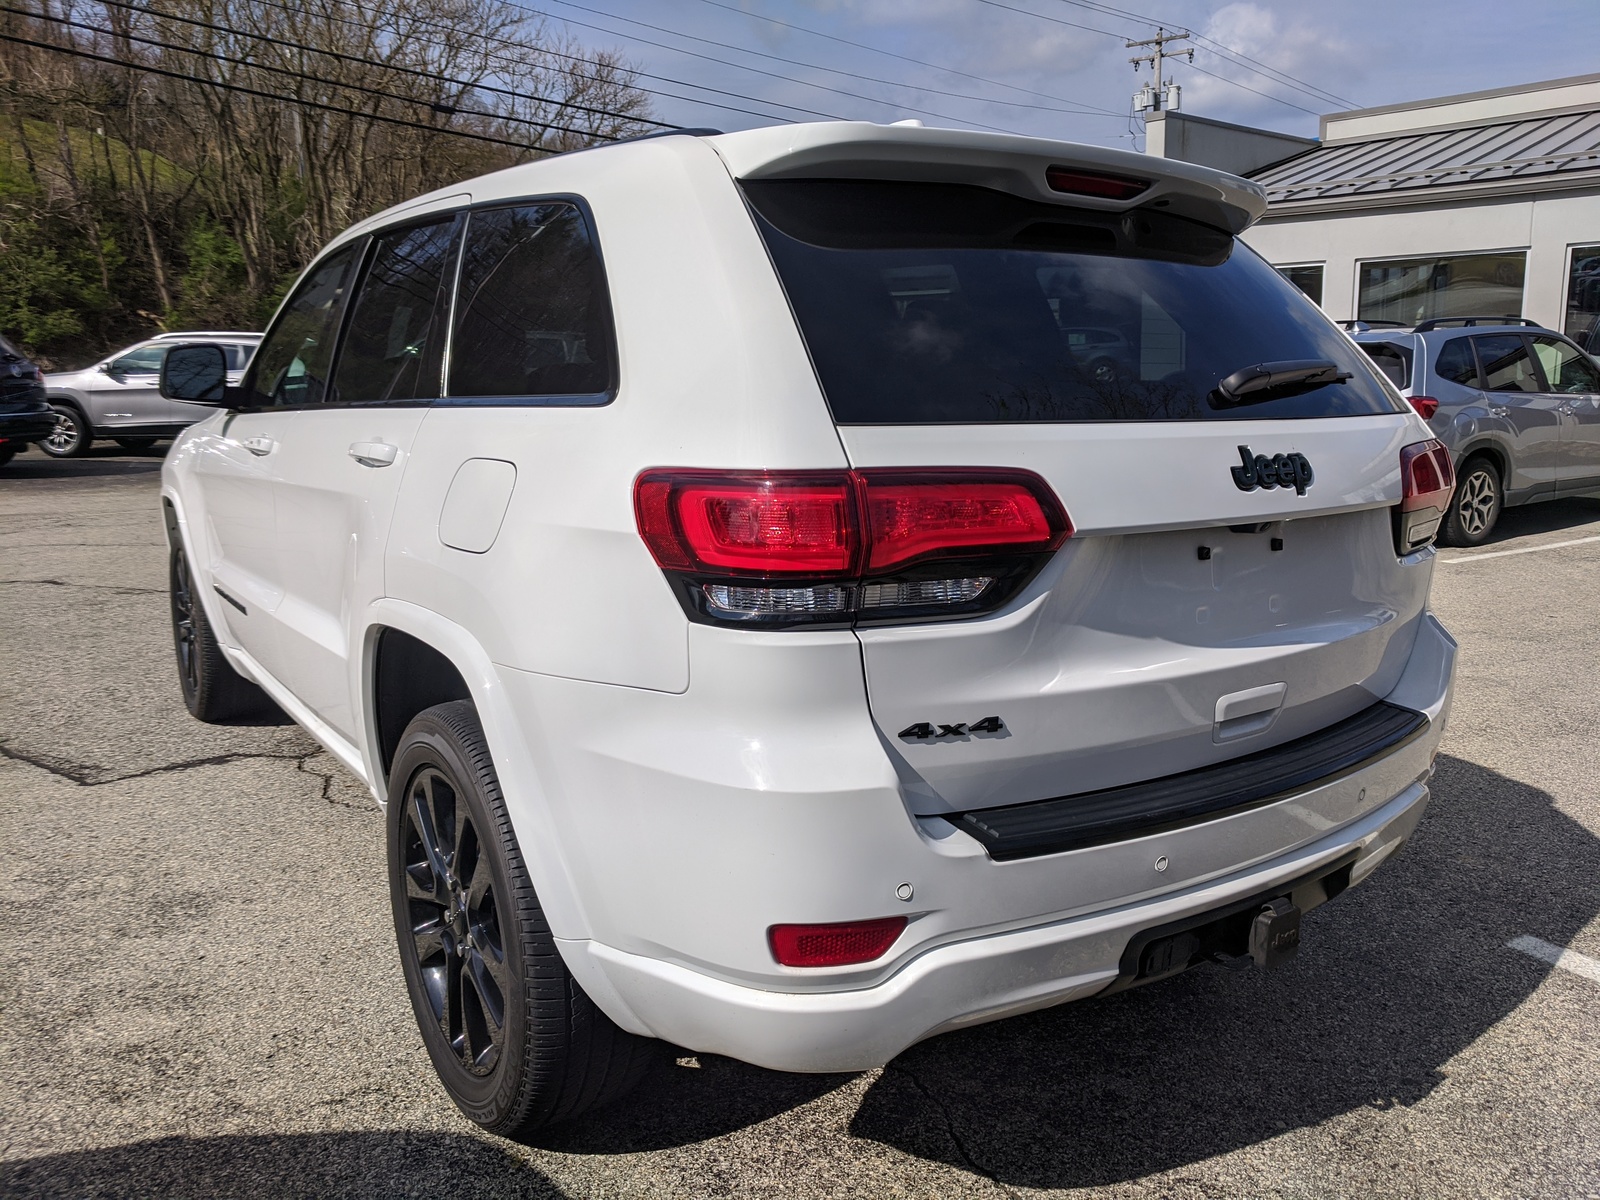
x=196, y=373
x=104, y=368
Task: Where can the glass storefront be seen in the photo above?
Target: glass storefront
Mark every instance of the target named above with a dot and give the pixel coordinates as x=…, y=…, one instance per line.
x=1307, y=279
x=1583, y=298
x=1463, y=285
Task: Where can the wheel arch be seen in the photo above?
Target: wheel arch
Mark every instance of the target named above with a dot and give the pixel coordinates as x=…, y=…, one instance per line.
x=75, y=403
x=1490, y=449
x=455, y=666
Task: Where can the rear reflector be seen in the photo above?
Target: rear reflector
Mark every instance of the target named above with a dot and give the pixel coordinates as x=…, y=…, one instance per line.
x=793, y=547
x=1426, y=406
x=1427, y=479
x=1094, y=183
x=834, y=945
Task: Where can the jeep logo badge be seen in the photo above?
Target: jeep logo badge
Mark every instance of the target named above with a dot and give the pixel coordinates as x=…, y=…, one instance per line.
x=1281, y=470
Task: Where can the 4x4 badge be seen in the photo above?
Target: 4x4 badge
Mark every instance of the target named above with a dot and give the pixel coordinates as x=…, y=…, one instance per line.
x=1281, y=470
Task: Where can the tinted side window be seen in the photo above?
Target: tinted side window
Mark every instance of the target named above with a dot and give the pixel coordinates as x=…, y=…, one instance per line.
x=1457, y=364
x=532, y=315
x=1507, y=365
x=291, y=366
x=146, y=360
x=1393, y=360
x=1566, y=369
x=393, y=333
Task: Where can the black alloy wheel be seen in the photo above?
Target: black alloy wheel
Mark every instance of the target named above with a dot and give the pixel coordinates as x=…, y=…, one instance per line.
x=513, y=1038
x=1476, y=505
x=71, y=436
x=454, y=921
x=212, y=690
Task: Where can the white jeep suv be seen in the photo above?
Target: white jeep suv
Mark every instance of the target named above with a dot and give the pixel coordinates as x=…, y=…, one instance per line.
x=766, y=636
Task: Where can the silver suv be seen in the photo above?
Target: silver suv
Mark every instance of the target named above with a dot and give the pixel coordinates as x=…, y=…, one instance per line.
x=1517, y=404
x=120, y=397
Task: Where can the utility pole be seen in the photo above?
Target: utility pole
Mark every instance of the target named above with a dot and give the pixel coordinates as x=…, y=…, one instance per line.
x=1149, y=99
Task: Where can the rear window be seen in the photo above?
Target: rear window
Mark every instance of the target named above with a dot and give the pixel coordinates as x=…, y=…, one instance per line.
x=947, y=304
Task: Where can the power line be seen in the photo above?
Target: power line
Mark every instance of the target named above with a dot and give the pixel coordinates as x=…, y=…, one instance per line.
x=492, y=39
x=1221, y=48
x=1248, y=88
x=927, y=112
x=249, y=91
x=894, y=83
x=300, y=75
x=1028, y=12
x=465, y=85
x=902, y=57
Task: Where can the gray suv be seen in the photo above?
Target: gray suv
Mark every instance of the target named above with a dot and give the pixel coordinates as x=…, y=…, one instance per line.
x=120, y=397
x=1517, y=404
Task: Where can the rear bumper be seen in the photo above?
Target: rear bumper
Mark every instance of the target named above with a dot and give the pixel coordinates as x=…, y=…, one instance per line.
x=26, y=426
x=961, y=983
x=679, y=870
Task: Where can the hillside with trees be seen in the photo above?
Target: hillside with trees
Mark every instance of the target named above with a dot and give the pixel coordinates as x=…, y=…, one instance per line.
x=173, y=165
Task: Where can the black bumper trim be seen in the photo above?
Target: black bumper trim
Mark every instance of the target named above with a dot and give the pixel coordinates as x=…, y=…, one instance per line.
x=1174, y=801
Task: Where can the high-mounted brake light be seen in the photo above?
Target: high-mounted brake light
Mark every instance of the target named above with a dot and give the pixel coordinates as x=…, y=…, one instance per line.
x=791, y=547
x=834, y=945
x=1427, y=479
x=1094, y=183
x=1426, y=406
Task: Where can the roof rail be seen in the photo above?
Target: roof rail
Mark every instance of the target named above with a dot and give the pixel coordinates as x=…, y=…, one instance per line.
x=1359, y=326
x=205, y=333
x=1447, y=322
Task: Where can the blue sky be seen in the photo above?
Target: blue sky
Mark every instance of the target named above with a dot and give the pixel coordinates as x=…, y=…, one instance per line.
x=1058, y=68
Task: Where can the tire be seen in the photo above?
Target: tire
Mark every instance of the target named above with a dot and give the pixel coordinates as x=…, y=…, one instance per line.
x=72, y=435
x=7, y=453
x=136, y=445
x=552, y=1055
x=212, y=690
x=1476, y=505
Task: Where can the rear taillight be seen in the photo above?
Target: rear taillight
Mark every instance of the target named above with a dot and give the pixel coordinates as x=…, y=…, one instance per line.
x=841, y=547
x=1427, y=478
x=834, y=945
x=1094, y=183
x=1426, y=406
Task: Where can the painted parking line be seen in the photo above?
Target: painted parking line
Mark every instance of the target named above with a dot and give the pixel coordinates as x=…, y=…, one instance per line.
x=1524, y=550
x=1567, y=960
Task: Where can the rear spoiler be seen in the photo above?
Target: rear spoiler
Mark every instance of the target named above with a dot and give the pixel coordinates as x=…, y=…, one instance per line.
x=1005, y=162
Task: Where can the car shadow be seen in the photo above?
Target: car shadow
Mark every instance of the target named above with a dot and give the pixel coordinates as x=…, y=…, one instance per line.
x=695, y=1099
x=377, y=1164
x=1393, y=980
x=100, y=460
x=1546, y=517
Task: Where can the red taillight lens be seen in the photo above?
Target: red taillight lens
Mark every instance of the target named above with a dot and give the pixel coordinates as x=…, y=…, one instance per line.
x=1427, y=478
x=914, y=519
x=880, y=545
x=834, y=945
x=1426, y=406
x=798, y=523
x=1094, y=183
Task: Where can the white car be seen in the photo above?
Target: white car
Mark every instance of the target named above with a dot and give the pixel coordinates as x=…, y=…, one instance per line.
x=763, y=634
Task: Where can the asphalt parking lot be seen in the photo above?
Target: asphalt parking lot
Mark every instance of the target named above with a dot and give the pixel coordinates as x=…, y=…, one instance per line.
x=200, y=995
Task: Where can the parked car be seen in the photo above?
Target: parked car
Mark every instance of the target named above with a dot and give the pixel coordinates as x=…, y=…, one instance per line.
x=1104, y=353
x=24, y=415
x=1518, y=406
x=119, y=397
x=765, y=635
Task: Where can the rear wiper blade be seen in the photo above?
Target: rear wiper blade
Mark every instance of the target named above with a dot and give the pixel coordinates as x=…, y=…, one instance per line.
x=1265, y=380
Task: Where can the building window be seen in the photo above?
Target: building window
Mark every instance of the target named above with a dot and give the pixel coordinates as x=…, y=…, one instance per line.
x=1307, y=279
x=1583, y=298
x=1464, y=285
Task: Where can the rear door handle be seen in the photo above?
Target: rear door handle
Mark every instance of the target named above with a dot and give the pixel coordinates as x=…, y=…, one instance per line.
x=373, y=454
x=259, y=445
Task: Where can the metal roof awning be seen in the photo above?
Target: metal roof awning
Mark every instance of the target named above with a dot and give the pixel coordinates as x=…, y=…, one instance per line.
x=1561, y=149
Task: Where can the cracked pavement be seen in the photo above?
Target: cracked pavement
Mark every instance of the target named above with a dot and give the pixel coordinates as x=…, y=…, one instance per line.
x=202, y=997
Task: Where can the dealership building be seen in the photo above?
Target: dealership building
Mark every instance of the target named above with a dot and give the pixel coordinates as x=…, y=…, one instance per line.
x=1483, y=204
